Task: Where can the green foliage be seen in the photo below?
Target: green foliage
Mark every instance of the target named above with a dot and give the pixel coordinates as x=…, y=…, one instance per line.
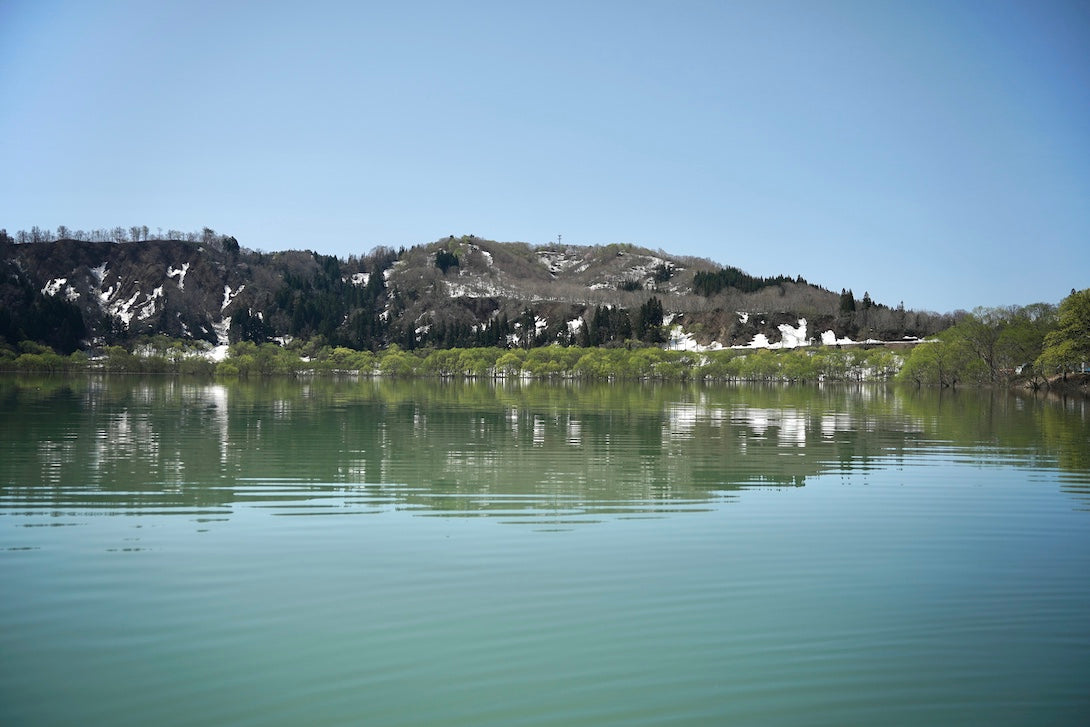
x=1067, y=347
x=510, y=363
x=397, y=363
x=987, y=346
x=943, y=362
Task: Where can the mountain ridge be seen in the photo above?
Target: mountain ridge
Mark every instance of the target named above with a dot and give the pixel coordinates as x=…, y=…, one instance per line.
x=456, y=291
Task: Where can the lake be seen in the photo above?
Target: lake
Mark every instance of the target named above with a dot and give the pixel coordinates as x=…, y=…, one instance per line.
x=337, y=552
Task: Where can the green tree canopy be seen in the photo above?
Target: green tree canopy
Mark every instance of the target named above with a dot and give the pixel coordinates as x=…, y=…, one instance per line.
x=1067, y=346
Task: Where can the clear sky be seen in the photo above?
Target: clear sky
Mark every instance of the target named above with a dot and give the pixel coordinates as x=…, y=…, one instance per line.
x=935, y=153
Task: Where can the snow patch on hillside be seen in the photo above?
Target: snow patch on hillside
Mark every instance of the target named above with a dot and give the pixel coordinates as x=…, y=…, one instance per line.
x=123, y=308
x=229, y=295
x=53, y=287
x=222, y=328
x=759, y=341
x=682, y=341
x=475, y=288
x=148, y=309
x=792, y=336
x=180, y=272
x=360, y=279
x=828, y=338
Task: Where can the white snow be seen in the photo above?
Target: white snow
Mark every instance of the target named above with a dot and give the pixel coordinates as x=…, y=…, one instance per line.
x=54, y=286
x=474, y=289
x=828, y=338
x=148, y=309
x=682, y=341
x=575, y=325
x=361, y=278
x=180, y=272
x=759, y=341
x=540, y=324
x=229, y=295
x=222, y=328
x=743, y=316
x=791, y=336
x=218, y=353
x=123, y=308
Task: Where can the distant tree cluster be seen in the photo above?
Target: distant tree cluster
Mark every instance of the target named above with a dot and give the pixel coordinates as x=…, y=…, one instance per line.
x=133, y=233
x=316, y=300
x=611, y=326
x=709, y=283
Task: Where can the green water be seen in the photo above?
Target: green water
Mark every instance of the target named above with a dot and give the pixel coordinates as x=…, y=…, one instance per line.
x=396, y=553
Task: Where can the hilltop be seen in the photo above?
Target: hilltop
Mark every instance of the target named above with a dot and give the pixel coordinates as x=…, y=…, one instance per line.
x=457, y=291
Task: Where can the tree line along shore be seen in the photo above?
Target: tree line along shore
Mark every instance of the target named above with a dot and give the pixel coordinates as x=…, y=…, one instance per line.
x=1034, y=346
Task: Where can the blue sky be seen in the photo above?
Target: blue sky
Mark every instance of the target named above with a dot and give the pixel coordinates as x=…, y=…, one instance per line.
x=936, y=153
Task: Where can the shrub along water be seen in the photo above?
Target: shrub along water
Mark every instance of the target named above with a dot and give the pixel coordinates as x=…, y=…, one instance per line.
x=993, y=346
x=635, y=362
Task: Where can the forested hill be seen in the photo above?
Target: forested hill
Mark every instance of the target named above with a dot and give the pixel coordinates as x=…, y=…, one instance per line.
x=463, y=291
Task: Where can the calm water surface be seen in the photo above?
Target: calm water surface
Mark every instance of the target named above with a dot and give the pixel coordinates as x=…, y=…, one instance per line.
x=392, y=553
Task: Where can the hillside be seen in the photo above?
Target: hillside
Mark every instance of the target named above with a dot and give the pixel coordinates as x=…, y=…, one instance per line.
x=462, y=291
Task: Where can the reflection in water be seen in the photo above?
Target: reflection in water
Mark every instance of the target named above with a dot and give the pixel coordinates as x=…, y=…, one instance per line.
x=482, y=448
x=285, y=553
